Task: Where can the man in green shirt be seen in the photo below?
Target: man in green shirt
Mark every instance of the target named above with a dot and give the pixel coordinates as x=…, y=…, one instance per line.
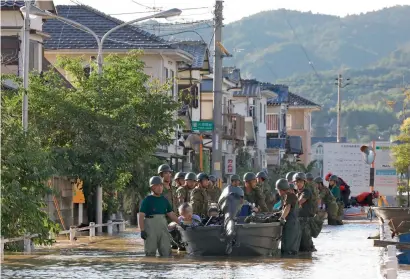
x=213, y=190
x=152, y=221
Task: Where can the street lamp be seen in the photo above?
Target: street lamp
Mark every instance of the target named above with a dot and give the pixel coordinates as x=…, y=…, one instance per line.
x=31, y=9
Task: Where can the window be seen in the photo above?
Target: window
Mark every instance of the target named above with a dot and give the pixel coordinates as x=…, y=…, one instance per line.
x=260, y=113
x=288, y=121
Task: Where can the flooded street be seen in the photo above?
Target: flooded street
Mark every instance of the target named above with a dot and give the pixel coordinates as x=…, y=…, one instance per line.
x=343, y=252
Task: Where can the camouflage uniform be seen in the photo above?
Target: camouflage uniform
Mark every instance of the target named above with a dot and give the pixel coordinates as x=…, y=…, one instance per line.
x=312, y=186
x=256, y=196
x=331, y=205
x=213, y=193
x=171, y=195
x=199, y=201
x=183, y=195
x=306, y=213
x=269, y=196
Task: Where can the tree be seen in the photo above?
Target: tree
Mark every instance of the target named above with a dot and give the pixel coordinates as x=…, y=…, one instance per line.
x=103, y=126
x=401, y=151
x=25, y=167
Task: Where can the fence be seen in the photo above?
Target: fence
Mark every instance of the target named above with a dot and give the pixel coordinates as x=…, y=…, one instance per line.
x=27, y=238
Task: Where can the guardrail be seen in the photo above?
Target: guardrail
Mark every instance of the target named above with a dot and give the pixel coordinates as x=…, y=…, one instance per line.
x=72, y=231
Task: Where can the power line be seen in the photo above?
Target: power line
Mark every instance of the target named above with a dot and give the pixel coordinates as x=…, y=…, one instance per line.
x=301, y=45
x=186, y=9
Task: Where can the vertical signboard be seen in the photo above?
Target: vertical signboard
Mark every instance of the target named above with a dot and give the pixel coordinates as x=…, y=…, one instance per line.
x=346, y=160
x=230, y=164
x=385, y=176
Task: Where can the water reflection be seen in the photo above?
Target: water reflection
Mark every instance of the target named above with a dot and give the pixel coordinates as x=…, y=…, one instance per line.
x=343, y=252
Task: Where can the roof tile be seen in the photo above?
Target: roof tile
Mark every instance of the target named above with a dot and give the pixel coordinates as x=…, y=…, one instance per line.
x=65, y=36
x=198, y=49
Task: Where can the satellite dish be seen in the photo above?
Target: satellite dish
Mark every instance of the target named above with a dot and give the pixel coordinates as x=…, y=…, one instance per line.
x=368, y=154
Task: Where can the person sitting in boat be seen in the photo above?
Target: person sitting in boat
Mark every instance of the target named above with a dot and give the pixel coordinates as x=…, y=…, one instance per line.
x=365, y=198
x=344, y=189
x=213, y=218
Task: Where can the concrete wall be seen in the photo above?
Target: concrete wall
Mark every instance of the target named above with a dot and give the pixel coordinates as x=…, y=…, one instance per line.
x=63, y=192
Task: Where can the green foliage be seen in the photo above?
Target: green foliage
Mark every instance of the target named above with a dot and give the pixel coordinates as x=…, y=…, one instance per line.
x=104, y=128
x=401, y=152
x=244, y=162
x=25, y=166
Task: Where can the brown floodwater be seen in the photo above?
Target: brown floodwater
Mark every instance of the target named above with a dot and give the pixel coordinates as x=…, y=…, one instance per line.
x=343, y=252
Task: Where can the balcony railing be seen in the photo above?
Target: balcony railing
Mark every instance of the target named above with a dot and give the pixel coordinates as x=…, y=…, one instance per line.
x=276, y=143
x=272, y=123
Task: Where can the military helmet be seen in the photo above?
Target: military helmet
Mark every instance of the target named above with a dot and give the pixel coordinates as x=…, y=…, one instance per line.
x=333, y=178
x=262, y=174
x=190, y=176
x=309, y=175
x=299, y=176
x=155, y=180
x=212, y=178
x=164, y=168
x=201, y=176
x=289, y=176
x=235, y=177
x=282, y=184
x=249, y=176
x=179, y=175
x=318, y=180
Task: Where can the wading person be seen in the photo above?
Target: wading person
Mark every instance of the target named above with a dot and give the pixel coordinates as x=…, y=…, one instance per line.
x=306, y=213
x=328, y=202
x=152, y=220
x=312, y=186
x=335, y=190
x=289, y=176
x=289, y=218
x=213, y=190
x=262, y=182
x=253, y=193
x=199, y=196
x=179, y=179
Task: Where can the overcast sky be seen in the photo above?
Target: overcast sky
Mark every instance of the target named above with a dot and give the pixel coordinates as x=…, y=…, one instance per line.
x=233, y=9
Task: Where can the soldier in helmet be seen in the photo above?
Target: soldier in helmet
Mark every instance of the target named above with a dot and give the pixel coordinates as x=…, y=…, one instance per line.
x=312, y=186
x=253, y=193
x=199, y=195
x=335, y=190
x=329, y=201
x=169, y=192
x=152, y=221
x=291, y=228
x=213, y=190
x=179, y=179
x=262, y=180
x=289, y=176
x=235, y=180
x=306, y=213
x=184, y=192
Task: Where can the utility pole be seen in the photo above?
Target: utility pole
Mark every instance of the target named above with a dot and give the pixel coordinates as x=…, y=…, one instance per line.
x=217, y=87
x=340, y=85
x=26, y=61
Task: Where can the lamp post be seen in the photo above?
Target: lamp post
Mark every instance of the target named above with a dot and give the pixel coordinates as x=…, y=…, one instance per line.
x=45, y=14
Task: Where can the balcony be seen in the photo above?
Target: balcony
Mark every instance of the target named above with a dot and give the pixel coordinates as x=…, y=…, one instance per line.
x=272, y=123
x=235, y=128
x=275, y=143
